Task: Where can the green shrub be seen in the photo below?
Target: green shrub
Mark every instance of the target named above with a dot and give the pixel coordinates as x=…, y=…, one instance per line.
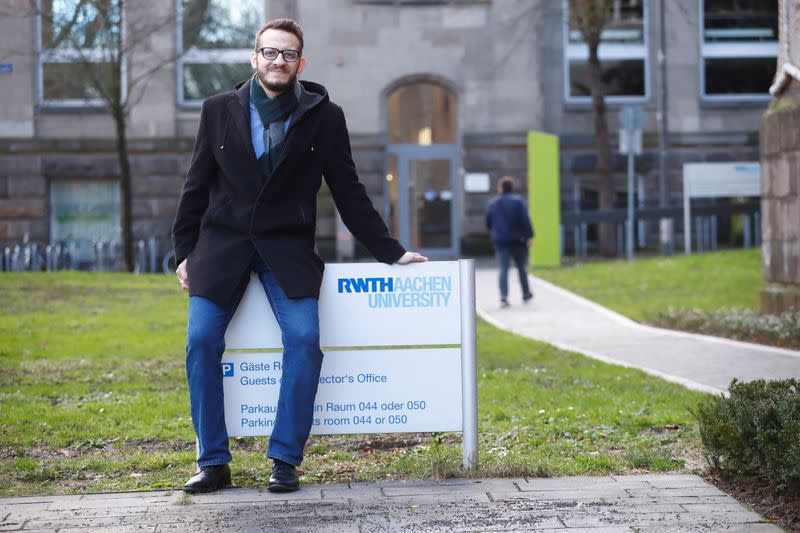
x=737, y=323
x=755, y=430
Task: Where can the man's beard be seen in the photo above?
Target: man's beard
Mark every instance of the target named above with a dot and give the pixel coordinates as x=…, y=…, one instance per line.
x=280, y=86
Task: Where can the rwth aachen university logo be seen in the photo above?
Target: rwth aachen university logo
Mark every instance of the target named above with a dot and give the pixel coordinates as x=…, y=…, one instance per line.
x=410, y=291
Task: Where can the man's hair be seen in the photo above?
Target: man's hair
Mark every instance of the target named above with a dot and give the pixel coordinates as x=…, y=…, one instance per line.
x=287, y=25
x=506, y=184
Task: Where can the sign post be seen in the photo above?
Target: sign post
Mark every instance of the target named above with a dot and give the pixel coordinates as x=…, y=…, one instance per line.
x=630, y=136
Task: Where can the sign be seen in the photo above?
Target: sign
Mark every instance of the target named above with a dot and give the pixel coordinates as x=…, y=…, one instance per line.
x=631, y=118
x=360, y=391
x=476, y=182
x=637, y=142
x=365, y=304
x=414, y=373
x=6, y=68
x=716, y=180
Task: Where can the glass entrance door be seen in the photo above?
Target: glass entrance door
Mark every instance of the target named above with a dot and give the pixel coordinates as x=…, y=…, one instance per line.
x=423, y=199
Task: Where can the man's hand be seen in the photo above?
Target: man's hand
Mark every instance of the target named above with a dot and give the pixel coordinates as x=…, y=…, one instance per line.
x=528, y=243
x=411, y=257
x=183, y=277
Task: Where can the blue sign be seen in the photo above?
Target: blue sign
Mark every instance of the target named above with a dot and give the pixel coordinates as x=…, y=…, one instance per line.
x=6, y=68
x=227, y=370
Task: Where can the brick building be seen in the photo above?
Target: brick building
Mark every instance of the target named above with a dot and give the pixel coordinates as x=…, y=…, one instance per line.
x=433, y=90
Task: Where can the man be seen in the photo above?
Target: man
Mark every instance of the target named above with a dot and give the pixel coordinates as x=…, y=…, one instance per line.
x=248, y=204
x=512, y=234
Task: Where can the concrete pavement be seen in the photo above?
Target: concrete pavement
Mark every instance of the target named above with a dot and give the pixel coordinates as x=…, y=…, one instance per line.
x=570, y=322
x=577, y=504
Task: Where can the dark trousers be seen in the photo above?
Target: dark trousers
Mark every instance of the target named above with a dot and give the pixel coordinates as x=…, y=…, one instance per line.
x=519, y=253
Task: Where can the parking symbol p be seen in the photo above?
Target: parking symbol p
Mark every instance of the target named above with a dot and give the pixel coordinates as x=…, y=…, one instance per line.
x=227, y=370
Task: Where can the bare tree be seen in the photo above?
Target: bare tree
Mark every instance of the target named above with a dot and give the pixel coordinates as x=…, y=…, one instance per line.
x=99, y=38
x=590, y=17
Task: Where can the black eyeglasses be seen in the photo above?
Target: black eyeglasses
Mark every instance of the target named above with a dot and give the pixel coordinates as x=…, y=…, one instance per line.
x=290, y=56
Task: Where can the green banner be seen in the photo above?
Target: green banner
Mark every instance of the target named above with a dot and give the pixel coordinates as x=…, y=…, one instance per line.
x=544, y=199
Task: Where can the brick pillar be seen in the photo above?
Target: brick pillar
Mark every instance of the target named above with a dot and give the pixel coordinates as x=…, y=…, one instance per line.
x=780, y=201
x=780, y=177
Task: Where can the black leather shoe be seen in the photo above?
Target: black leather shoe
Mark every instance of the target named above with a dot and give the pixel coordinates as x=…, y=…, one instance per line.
x=209, y=479
x=283, y=478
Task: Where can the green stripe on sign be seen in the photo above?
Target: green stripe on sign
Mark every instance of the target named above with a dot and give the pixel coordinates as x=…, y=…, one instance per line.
x=544, y=199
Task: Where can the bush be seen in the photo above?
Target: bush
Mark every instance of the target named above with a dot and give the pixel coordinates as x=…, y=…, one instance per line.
x=754, y=431
x=737, y=323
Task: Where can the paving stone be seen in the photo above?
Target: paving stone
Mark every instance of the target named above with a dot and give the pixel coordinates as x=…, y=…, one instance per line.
x=678, y=491
x=234, y=495
x=339, y=491
x=719, y=507
x=589, y=493
x=115, y=502
x=733, y=528
x=31, y=500
x=604, y=483
x=133, y=494
x=427, y=499
x=448, y=489
x=68, y=514
x=112, y=529
x=434, y=520
x=654, y=519
x=80, y=522
x=667, y=482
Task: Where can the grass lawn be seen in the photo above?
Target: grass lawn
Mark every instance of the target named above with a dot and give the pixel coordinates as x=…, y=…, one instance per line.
x=93, y=398
x=644, y=288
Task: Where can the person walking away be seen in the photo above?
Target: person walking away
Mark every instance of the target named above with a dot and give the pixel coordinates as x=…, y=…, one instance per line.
x=511, y=232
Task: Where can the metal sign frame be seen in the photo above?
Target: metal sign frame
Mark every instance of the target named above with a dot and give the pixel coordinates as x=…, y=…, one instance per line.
x=252, y=327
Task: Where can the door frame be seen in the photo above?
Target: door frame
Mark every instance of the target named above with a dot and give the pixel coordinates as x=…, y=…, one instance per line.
x=406, y=153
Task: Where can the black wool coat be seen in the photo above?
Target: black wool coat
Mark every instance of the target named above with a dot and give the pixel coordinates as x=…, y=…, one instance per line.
x=228, y=212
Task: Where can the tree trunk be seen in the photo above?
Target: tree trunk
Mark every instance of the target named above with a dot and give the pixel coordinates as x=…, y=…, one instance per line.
x=124, y=189
x=605, y=179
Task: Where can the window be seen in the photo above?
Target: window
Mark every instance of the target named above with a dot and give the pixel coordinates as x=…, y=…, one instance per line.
x=739, y=47
x=622, y=52
x=422, y=113
x=216, y=37
x=79, y=43
x=84, y=212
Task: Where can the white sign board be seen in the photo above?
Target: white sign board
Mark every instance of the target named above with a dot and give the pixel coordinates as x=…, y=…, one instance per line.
x=476, y=182
x=365, y=304
x=719, y=180
x=716, y=180
x=415, y=383
x=360, y=391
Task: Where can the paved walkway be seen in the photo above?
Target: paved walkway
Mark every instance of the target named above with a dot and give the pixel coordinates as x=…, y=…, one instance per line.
x=594, y=504
x=566, y=320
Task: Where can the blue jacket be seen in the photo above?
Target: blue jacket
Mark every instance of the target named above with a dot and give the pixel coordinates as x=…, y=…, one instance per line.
x=507, y=220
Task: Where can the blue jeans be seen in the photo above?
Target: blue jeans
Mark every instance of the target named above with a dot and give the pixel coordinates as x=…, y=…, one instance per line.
x=302, y=360
x=519, y=253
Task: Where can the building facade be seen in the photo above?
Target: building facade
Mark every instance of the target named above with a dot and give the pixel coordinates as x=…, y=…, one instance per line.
x=437, y=94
